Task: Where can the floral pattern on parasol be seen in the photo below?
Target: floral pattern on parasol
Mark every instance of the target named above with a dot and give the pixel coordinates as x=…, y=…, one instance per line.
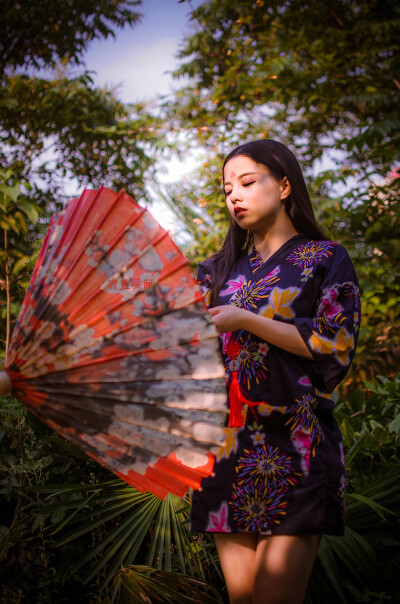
x=114, y=347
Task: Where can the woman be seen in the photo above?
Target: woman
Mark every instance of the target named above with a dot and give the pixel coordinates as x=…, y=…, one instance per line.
x=286, y=302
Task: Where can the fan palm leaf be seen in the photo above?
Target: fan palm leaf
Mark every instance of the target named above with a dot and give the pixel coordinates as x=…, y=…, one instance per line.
x=134, y=522
x=142, y=584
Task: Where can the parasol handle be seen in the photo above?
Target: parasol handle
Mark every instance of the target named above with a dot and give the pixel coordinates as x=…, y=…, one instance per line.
x=5, y=383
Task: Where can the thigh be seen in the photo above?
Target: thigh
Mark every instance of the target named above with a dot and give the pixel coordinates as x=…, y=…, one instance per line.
x=237, y=554
x=283, y=568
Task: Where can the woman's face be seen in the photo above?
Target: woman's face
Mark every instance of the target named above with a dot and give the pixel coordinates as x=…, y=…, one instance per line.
x=253, y=195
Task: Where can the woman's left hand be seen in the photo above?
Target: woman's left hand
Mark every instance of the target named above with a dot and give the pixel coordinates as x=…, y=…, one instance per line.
x=227, y=318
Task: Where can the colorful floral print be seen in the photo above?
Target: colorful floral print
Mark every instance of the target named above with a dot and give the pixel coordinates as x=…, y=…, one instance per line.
x=266, y=464
x=305, y=380
x=280, y=473
x=302, y=442
x=330, y=311
x=255, y=259
x=230, y=443
x=218, y=521
x=342, y=346
x=306, y=256
x=279, y=303
x=249, y=294
x=234, y=285
x=257, y=509
x=264, y=409
x=302, y=415
x=251, y=362
x=329, y=305
x=257, y=436
x=352, y=291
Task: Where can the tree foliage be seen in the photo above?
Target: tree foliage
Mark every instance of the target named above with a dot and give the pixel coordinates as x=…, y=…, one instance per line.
x=326, y=71
x=321, y=78
x=41, y=33
x=61, y=128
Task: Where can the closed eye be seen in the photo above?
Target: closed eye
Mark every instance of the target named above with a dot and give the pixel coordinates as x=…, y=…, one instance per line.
x=245, y=184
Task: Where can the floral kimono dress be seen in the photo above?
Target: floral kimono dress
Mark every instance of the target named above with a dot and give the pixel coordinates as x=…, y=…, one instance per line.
x=282, y=472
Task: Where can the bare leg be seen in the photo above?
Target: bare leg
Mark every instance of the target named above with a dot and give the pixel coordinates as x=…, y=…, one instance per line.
x=283, y=568
x=237, y=554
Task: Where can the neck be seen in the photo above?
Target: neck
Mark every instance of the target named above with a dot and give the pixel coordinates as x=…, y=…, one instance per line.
x=269, y=241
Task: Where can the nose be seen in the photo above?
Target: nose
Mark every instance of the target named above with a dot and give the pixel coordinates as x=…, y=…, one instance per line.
x=234, y=196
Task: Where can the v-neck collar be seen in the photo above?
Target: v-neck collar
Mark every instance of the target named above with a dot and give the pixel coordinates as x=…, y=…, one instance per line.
x=254, y=257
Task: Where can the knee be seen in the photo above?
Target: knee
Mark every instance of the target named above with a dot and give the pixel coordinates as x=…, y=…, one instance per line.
x=277, y=594
x=240, y=587
x=241, y=594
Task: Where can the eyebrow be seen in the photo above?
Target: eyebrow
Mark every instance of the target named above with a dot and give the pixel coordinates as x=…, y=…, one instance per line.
x=227, y=182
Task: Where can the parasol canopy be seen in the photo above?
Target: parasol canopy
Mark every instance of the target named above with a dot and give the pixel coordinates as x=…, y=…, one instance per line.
x=114, y=347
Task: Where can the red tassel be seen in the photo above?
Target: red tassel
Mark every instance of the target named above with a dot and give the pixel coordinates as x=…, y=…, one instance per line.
x=236, y=398
x=235, y=403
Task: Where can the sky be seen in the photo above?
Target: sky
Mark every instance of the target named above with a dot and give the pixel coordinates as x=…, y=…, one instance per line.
x=137, y=63
x=140, y=58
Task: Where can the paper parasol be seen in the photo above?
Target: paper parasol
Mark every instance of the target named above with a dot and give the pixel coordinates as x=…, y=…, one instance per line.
x=115, y=350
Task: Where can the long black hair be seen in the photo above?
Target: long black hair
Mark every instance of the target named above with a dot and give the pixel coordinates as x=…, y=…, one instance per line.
x=281, y=162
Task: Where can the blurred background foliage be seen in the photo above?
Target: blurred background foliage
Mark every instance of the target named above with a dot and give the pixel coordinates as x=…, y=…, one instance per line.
x=319, y=77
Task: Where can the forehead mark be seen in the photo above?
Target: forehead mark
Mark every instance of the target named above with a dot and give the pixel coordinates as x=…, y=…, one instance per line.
x=233, y=174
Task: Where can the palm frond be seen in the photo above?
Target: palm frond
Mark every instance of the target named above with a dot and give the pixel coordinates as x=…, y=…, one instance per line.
x=143, y=584
x=130, y=523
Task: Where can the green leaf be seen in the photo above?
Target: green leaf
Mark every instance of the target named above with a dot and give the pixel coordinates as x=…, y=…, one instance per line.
x=12, y=192
x=379, y=509
x=20, y=264
x=30, y=209
x=394, y=425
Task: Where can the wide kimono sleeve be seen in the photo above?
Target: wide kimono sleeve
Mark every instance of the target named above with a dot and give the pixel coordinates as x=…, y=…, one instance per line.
x=331, y=334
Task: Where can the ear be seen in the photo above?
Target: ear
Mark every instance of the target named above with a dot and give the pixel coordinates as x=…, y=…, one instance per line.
x=286, y=188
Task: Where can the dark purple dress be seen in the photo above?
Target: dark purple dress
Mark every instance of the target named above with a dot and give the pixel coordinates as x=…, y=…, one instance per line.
x=282, y=473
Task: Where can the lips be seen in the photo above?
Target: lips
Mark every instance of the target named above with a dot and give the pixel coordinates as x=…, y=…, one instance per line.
x=240, y=211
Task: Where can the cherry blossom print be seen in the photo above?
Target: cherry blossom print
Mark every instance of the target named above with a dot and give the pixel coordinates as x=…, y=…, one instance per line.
x=329, y=306
x=302, y=443
x=263, y=348
x=258, y=438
